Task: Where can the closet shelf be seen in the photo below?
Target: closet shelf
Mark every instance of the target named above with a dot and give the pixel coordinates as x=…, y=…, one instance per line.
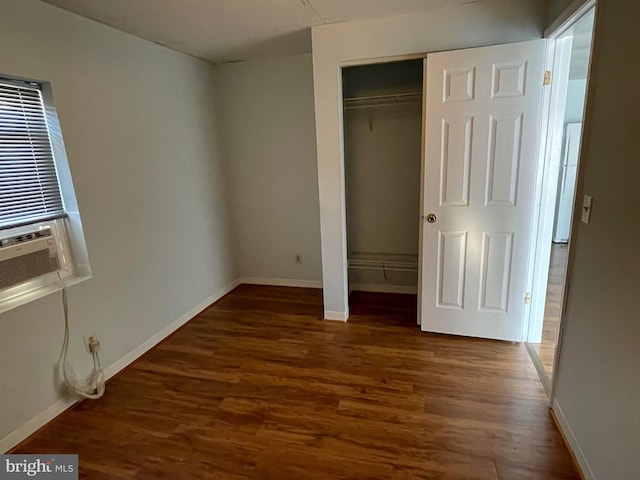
x=383, y=261
x=382, y=100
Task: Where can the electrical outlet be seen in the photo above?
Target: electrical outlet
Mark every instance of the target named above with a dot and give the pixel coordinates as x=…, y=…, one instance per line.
x=298, y=258
x=88, y=340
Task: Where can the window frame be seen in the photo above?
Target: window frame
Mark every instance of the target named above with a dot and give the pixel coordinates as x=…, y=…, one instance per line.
x=69, y=232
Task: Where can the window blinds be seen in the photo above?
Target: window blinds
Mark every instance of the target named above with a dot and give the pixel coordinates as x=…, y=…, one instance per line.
x=29, y=189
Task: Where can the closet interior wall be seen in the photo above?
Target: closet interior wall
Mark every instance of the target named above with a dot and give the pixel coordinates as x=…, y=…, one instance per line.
x=383, y=143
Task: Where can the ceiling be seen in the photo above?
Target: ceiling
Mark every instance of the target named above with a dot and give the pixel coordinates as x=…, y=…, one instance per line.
x=229, y=30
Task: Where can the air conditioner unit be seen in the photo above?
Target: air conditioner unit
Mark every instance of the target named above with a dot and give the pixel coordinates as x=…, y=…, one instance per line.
x=26, y=256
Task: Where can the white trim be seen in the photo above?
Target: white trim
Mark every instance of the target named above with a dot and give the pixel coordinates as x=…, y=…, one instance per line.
x=144, y=347
x=574, y=12
x=542, y=373
x=337, y=316
x=552, y=135
x=529, y=313
x=381, y=288
x=422, y=213
x=573, y=442
x=33, y=425
x=282, y=282
x=51, y=412
x=36, y=289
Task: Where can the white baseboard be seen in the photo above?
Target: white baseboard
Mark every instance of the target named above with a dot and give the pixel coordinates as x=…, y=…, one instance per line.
x=33, y=425
x=337, y=316
x=287, y=282
x=143, y=348
x=37, y=422
x=572, y=441
x=282, y=282
x=381, y=288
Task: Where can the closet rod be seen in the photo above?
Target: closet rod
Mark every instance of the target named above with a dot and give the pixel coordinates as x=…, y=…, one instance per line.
x=382, y=100
x=382, y=267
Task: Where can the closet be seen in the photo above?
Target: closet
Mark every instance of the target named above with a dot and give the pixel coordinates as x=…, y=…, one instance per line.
x=382, y=149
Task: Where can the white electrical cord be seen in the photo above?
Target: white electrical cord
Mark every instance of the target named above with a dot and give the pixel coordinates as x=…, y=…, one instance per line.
x=91, y=387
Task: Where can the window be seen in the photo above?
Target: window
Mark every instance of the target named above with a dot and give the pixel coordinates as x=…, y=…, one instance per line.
x=41, y=234
x=29, y=188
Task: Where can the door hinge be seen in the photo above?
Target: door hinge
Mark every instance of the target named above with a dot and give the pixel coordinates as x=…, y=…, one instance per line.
x=527, y=297
x=547, y=78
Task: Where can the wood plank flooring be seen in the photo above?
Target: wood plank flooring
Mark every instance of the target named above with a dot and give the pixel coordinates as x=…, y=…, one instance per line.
x=557, y=268
x=258, y=386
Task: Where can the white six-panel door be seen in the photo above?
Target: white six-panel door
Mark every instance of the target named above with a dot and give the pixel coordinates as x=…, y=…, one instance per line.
x=483, y=108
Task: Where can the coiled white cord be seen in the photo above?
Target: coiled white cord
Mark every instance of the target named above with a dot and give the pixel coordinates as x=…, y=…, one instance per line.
x=91, y=387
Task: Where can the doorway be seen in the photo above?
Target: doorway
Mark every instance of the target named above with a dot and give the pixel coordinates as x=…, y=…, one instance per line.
x=573, y=50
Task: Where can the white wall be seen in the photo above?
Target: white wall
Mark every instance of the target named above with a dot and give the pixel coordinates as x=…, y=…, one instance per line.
x=382, y=157
x=474, y=24
x=140, y=131
x=556, y=7
x=382, y=150
x=597, y=382
x=268, y=137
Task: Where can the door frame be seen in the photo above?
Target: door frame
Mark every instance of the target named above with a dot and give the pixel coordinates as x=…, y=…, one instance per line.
x=546, y=189
x=355, y=63
x=550, y=148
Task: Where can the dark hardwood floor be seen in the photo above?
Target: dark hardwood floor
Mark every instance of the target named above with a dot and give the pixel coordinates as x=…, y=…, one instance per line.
x=259, y=387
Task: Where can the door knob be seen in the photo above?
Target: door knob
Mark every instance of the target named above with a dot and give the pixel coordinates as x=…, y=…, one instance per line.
x=431, y=218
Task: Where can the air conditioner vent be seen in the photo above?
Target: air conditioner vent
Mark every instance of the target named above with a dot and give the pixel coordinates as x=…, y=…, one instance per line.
x=26, y=267
x=26, y=256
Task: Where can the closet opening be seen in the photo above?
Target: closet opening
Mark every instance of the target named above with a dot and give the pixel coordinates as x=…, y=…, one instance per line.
x=382, y=121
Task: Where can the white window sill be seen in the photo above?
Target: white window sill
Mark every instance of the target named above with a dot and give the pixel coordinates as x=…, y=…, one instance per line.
x=41, y=287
